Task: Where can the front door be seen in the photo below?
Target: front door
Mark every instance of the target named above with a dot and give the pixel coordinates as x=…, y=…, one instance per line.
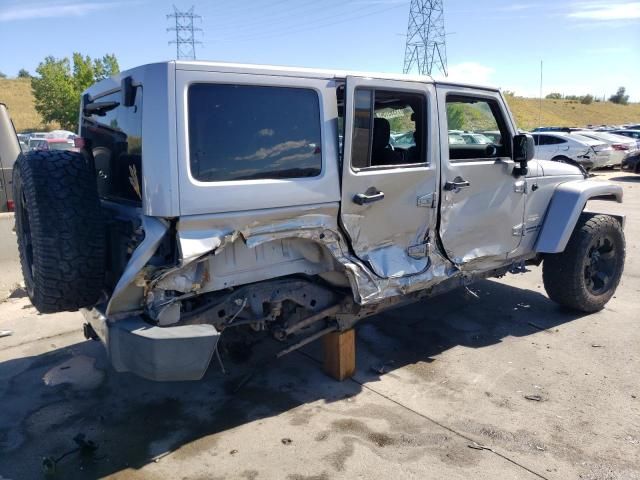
x=482, y=201
x=389, y=177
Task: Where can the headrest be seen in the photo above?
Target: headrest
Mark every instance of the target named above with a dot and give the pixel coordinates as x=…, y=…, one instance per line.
x=381, y=133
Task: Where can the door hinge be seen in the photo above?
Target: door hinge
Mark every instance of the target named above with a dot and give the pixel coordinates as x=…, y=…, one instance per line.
x=429, y=201
x=520, y=186
x=518, y=230
x=420, y=250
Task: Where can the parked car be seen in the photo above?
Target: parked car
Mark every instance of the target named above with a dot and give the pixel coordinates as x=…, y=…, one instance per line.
x=633, y=127
x=166, y=241
x=493, y=135
x=632, y=163
x=51, y=144
x=569, y=147
x=621, y=146
x=473, y=138
x=635, y=134
x=456, y=139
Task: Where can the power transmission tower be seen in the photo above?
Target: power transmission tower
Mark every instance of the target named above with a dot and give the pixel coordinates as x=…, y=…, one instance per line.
x=185, y=33
x=426, y=44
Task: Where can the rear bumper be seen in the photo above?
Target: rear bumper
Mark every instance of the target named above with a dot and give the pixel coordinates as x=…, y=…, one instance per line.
x=155, y=353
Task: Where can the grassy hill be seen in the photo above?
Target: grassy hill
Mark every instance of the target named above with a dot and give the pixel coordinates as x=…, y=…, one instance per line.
x=570, y=113
x=16, y=94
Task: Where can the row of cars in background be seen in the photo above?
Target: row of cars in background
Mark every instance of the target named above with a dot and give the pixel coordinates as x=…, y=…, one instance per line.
x=54, y=140
x=592, y=147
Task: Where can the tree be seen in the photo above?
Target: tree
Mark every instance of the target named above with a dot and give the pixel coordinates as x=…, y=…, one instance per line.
x=23, y=73
x=58, y=86
x=554, y=96
x=620, y=97
x=455, y=116
x=3, y=75
x=587, y=99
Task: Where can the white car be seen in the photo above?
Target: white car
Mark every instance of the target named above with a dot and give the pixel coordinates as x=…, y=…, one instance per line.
x=622, y=147
x=561, y=146
x=475, y=138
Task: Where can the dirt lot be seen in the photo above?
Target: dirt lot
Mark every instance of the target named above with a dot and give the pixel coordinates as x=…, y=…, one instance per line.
x=440, y=392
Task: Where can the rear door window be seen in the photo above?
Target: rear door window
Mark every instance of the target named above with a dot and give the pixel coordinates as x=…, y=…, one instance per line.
x=245, y=132
x=114, y=137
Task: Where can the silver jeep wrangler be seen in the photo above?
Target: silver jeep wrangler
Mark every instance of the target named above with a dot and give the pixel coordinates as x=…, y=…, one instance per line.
x=211, y=196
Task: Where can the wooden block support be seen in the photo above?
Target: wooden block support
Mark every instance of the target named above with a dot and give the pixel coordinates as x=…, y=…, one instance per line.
x=339, y=350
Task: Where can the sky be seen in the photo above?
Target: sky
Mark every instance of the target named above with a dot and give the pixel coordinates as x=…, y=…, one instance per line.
x=585, y=46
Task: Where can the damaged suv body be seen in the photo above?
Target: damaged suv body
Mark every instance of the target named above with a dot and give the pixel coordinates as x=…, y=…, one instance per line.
x=212, y=196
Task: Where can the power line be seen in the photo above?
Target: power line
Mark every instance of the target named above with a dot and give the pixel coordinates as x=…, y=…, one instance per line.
x=312, y=25
x=185, y=33
x=426, y=43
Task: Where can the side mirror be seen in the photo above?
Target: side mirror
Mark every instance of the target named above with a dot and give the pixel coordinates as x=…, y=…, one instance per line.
x=523, y=150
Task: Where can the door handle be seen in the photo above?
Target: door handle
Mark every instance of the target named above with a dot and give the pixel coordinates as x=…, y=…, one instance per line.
x=370, y=196
x=456, y=185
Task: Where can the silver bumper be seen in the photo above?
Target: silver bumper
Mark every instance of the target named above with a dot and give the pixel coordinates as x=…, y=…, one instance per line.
x=155, y=353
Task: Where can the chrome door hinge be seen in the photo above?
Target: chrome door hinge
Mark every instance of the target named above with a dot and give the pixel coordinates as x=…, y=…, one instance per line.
x=520, y=186
x=518, y=230
x=429, y=201
x=420, y=250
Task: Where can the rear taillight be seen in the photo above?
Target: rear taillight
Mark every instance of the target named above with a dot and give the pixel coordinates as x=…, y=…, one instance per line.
x=620, y=146
x=78, y=142
x=10, y=206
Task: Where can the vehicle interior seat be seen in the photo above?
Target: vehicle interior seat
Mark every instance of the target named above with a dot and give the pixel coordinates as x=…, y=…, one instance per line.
x=382, y=153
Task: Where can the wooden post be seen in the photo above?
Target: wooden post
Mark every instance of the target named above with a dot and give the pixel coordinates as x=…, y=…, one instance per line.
x=339, y=350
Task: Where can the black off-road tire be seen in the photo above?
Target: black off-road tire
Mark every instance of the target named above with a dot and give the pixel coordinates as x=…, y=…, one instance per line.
x=585, y=276
x=60, y=230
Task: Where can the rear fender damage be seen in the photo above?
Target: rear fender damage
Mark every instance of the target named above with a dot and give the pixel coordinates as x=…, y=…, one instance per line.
x=312, y=245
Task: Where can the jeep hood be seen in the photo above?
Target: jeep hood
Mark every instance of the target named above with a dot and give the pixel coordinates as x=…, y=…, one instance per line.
x=558, y=169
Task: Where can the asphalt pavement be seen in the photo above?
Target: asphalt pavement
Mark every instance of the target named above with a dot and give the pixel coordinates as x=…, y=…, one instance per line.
x=496, y=383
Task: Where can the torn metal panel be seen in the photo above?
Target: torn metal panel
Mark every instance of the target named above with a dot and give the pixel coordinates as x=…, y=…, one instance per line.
x=128, y=294
x=265, y=248
x=195, y=244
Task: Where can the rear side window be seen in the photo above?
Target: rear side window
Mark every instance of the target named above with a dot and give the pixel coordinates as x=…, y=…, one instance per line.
x=114, y=137
x=244, y=132
x=550, y=140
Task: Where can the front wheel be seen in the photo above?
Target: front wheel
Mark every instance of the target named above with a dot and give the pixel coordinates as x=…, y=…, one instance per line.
x=585, y=276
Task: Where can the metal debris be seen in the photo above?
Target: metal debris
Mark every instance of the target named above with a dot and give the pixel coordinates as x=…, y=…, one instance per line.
x=596, y=345
x=535, y=398
x=6, y=333
x=382, y=368
x=477, y=446
x=286, y=441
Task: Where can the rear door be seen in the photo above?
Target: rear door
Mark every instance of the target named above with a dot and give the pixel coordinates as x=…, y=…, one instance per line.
x=482, y=206
x=388, y=191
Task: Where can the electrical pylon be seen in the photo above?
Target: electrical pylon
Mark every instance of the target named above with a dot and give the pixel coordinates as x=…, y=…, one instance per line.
x=426, y=43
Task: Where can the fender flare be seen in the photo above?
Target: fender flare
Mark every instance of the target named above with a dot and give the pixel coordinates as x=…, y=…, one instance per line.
x=567, y=203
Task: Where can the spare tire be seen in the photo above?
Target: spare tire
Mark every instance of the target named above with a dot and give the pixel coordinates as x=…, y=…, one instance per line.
x=60, y=230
